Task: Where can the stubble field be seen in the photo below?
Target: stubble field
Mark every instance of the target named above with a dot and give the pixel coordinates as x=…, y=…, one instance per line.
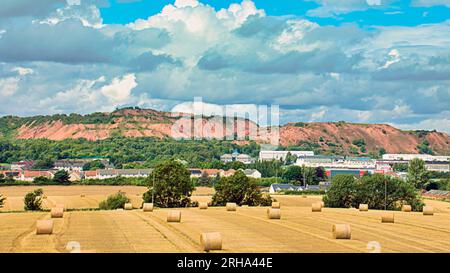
x=246, y=230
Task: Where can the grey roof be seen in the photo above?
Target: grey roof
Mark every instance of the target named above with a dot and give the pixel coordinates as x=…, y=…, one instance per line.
x=286, y=187
x=125, y=172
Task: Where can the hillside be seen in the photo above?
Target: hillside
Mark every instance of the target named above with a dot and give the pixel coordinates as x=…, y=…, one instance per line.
x=327, y=138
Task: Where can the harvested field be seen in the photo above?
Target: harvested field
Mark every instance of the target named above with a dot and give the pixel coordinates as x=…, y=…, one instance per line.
x=246, y=230
x=71, y=196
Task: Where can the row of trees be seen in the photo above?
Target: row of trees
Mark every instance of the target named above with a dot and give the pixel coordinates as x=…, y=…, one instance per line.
x=170, y=186
x=378, y=191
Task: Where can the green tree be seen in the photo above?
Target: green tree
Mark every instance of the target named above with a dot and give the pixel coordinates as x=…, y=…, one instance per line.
x=173, y=186
x=417, y=173
x=44, y=164
x=239, y=189
x=2, y=200
x=347, y=191
x=41, y=180
x=204, y=180
x=33, y=200
x=379, y=191
x=61, y=177
x=93, y=165
x=293, y=174
x=2, y=178
x=342, y=193
x=115, y=201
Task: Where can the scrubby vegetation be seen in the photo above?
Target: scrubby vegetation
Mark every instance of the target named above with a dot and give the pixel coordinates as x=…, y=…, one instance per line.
x=33, y=200
x=115, y=201
x=347, y=191
x=123, y=151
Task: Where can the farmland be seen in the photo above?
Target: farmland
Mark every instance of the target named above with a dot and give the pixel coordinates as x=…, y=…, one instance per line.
x=247, y=230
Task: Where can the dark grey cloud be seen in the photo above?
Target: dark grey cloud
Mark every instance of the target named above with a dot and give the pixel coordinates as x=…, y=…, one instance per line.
x=24, y=8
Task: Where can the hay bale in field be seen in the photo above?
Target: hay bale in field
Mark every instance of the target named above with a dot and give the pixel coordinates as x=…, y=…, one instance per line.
x=406, y=208
x=44, y=227
x=203, y=205
x=276, y=205
x=82, y=196
x=387, y=217
x=316, y=207
x=147, y=207
x=363, y=207
x=211, y=241
x=231, y=206
x=174, y=216
x=57, y=212
x=341, y=231
x=428, y=210
x=128, y=206
x=273, y=213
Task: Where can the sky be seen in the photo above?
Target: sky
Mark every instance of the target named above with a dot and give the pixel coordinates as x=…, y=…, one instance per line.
x=365, y=61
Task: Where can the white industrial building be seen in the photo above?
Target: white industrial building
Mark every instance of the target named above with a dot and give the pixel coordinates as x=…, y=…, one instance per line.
x=277, y=155
x=408, y=157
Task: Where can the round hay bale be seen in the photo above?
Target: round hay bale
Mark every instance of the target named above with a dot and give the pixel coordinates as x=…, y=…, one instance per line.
x=276, y=205
x=342, y=231
x=406, y=208
x=57, y=212
x=273, y=213
x=211, y=241
x=387, y=217
x=82, y=196
x=147, y=207
x=363, y=207
x=128, y=206
x=203, y=205
x=174, y=216
x=316, y=207
x=44, y=227
x=231, y=206
x=428, y=210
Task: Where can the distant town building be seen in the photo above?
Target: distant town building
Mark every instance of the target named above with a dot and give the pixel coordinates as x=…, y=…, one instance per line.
x=333, y=162
x=281, y=155
x=244, y=158
x=409, y=157
x=31, y=175
x=252, y=173
x=432, y=163
x=274, y=188
x=135, y=173
x=78, y=164
x=22, y=165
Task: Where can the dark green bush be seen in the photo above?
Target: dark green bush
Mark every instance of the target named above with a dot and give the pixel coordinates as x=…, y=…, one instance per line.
x=33, y=200
x=115, y=201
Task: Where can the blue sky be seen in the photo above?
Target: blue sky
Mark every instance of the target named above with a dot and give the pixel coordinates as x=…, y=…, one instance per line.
x=368, y=61
x=401, y=13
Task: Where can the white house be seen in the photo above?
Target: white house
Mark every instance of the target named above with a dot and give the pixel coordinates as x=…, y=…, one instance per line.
x=252, y=173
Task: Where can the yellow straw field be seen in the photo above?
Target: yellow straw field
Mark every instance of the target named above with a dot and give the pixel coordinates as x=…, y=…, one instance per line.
x=245, y=230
